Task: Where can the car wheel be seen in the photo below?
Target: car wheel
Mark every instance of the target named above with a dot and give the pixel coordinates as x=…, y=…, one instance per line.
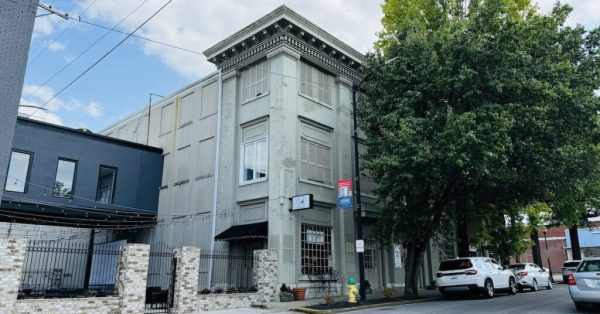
x=580, y=306
x=512, y=286
x=488, y=289
x=549, y=286
x=534, y=286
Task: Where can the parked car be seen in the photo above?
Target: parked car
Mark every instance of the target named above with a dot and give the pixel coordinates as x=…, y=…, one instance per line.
x=584, y=283
x=568, y=268
x=531, y=276
x=474, y=275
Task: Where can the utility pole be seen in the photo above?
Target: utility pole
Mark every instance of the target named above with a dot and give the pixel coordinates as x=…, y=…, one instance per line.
x=149, y=108
x=359, y=229
x=52, y=11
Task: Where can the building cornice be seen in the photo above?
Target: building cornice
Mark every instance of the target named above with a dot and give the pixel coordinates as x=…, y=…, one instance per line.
x=280, y=28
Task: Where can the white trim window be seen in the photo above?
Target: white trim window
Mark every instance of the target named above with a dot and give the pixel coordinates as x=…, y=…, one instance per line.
x=255, y=81
x=315, y=154
x=254, y=152
x=315, y=84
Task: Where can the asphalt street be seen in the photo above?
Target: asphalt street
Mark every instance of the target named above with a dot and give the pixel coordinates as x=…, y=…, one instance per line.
x=543, y=301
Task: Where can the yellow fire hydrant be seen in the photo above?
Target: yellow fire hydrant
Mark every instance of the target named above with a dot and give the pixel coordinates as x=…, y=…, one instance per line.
x=352, y=290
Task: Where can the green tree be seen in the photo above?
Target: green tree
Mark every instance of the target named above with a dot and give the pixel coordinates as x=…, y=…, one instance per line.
x=473, y=113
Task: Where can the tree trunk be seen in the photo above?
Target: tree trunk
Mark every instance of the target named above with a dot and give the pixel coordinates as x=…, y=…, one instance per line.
x=462, y=224
x=535, y=248
x=414, y=258
x=575, y=249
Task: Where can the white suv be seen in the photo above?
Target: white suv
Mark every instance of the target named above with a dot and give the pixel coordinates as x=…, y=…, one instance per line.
x=475, y=275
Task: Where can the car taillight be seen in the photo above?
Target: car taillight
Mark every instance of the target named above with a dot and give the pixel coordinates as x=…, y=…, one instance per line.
x=572, y=280
x=522, y=273
x=439, y=275
x=471, y=272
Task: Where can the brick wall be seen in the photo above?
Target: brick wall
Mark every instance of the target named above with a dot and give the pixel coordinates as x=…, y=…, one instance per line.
x=16, y=26
x=556, y=250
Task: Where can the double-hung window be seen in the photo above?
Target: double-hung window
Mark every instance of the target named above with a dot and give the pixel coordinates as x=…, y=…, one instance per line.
x=315, y=84
x=255, y=81
x=18, y=172
x=254, y=157
x=65, y=177
x=107, y=177
x=315, y=154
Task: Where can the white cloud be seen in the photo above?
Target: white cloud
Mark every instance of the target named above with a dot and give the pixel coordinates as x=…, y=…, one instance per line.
x=36, y=96
x=56, y=46
x=585, y=12
x=197, y=25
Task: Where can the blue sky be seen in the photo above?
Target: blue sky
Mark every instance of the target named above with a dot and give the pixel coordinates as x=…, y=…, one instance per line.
x=120, y=84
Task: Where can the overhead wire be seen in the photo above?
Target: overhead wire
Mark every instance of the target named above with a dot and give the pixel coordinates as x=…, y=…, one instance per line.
x=101, y=58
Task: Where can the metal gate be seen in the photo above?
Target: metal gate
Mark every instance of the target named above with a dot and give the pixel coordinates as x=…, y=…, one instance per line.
x=160, y=287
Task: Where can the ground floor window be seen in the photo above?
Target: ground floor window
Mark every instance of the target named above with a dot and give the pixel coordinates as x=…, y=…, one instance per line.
x=370, y=253
x=316, y=249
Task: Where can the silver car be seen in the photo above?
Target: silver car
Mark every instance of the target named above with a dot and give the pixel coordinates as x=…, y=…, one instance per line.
x=568, y=268
x=584, y=283
x=531, y=276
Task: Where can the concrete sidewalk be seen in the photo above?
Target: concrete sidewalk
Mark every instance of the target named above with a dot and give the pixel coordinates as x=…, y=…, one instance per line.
x=285, y=307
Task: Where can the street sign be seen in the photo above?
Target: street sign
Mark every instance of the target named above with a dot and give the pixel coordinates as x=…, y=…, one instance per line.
x=397, y=256
x=345, y=193
x=360, y=246
x=300, y=202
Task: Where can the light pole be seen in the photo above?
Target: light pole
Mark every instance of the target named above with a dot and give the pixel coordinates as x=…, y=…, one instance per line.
x=548, y=254
x=359, y=229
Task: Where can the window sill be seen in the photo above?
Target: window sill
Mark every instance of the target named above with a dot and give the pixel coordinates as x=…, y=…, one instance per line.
x=181, y=182
x=203, y=176
x=317, y=183
x=163, y=187
x=165, y=133
x=255, y=98
x=315, y=100
x=242, y=183
x=185, y=124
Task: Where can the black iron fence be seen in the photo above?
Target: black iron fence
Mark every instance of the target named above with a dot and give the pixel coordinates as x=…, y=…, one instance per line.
x=161, y=279
x=230, y=273
x=54, y=269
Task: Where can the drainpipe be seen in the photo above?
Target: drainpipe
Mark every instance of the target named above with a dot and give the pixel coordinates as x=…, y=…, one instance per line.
x=216, y=178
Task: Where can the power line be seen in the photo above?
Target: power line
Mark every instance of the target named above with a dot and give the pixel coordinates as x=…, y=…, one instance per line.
x=83, y=52
x=104, y=56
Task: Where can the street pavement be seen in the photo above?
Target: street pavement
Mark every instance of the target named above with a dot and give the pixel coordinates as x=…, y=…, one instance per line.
x=543, y=301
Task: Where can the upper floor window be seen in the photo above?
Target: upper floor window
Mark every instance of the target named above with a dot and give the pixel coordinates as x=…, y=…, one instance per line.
x=65, y=176
x=255, y=80
x=315, y=84
x=18, y=172
x=186, y=109
x=166, y=118
x=105, y=193
x=315, y=154
x=254, y=152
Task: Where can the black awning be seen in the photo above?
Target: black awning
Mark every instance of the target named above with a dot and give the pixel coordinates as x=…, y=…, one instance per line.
x=242, y=232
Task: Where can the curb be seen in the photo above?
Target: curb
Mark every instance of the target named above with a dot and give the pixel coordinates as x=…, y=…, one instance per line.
x=357, y=308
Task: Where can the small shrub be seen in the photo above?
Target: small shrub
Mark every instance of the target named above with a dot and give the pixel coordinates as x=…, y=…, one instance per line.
x=231, y=290
x=205, y=291
x=219, y=290
x=388, y=292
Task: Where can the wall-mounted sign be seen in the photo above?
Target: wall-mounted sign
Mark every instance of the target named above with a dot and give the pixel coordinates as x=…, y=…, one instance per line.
x=300, y=202
x=345, y=193
x=397, y=256
x=349, y=247
x=360, y=246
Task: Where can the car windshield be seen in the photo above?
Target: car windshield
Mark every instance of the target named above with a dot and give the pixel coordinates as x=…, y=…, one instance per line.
x=571, y=264
x=589, y=266
x=517, y=266
x=456, y=264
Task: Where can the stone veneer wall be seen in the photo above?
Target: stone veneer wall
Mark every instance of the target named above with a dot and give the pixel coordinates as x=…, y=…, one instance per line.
x=186, y=283
x=107, y=305
x=265, y=278
x=131, y=283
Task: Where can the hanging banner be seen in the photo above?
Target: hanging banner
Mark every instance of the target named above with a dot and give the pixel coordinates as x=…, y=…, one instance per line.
x=345, y=193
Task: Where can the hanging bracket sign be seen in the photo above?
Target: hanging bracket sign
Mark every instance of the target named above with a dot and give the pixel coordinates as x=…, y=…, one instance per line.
x=345, y=193
x=301, y=202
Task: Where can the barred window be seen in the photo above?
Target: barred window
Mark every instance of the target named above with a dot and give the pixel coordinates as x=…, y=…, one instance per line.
x=315, y=84
x=316, y=250
x=370, y=253
x=255, y=80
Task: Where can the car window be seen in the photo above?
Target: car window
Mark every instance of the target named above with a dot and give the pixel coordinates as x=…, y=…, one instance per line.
x=570, y=264
x=593, y=266
x=455, y=264
x=517, y=266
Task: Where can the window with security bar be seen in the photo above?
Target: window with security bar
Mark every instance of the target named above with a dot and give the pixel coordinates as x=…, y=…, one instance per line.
x=316, y=251
x=369, y=255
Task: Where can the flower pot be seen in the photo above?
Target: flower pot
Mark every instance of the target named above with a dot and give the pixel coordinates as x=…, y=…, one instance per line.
x=299, y=293
x=286, y=298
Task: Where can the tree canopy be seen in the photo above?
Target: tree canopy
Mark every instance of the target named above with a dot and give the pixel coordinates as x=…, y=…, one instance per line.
x=489, y=106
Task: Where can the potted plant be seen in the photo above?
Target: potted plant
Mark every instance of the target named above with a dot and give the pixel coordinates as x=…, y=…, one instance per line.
x=299, y=293
x=285, y=294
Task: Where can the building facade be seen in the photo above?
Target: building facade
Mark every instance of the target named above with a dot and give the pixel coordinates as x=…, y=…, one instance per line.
x=274, y=121
x=16, y=27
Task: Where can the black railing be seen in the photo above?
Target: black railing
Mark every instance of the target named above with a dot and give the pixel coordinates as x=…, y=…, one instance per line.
x=231, y=273
x=161, y=279
x=61, y=269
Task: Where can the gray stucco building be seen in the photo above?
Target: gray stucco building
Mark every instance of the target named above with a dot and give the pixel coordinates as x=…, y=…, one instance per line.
x=274, y=121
